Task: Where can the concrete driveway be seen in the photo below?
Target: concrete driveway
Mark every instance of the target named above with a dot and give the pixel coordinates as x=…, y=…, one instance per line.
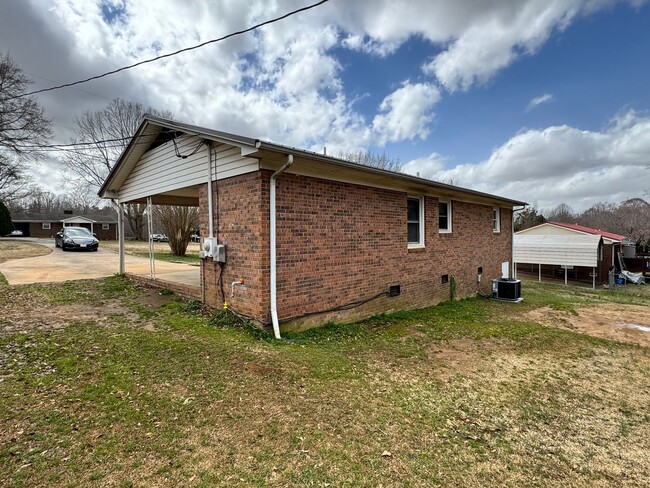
x=75, y=265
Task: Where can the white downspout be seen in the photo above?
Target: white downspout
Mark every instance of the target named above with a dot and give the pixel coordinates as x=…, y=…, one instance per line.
x=274, y=305
x=120, y=233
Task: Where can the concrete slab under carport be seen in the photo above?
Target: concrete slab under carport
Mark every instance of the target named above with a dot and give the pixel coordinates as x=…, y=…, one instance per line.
x=74, y=265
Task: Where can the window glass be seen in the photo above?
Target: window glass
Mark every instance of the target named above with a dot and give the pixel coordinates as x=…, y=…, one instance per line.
x=496, y=220
x=444, y=217
x=415, y=221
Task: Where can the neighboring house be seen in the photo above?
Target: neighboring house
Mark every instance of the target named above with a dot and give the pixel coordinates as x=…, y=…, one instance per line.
x=611, y=243
x=46, y=225
x=310, y=238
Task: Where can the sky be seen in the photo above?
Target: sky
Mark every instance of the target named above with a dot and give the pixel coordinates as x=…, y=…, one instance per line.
x=545, y=101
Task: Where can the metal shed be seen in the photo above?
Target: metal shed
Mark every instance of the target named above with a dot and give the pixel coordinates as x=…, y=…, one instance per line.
x=567, y=251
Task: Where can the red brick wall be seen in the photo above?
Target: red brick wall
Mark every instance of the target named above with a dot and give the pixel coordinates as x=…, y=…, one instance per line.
x=339, y=243
x=241, y=207
x=36, y=230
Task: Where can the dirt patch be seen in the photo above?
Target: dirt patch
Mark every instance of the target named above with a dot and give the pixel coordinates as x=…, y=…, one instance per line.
x=18, y=250
x=465, y=356
x=20, y=317
x=153, y=297
x=626, y=323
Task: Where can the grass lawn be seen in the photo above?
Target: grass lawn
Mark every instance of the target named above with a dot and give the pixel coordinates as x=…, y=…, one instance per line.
x=104, y=383
x=162, y=251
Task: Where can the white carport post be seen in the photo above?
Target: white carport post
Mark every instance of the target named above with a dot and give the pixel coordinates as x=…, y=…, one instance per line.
x=152, y=257
x=119, y=208
x=566, y=275
x=120, y=235
x=593, y=278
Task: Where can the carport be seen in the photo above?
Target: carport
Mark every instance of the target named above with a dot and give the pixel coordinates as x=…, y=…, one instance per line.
x=576, y=253
x=146, y=173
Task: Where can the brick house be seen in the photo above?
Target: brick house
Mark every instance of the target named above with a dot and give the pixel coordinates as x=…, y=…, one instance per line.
x=46, y=225
x=311, y=238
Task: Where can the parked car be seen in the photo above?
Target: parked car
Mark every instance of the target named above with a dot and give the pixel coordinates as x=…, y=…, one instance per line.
x=195, y=238
x=76, y=238
x=159, y=238
x=15, y=233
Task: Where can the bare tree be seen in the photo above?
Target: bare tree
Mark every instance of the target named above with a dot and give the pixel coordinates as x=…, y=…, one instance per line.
x=23, y=129
x=15, y=182
x=562, y=213
x=632, y=219
x=177, y=223
x=110, y=131
x=368, y=158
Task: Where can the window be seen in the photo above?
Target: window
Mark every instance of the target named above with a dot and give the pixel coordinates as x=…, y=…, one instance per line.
x=415, y=221
x=496, y=219
x=444, y=216
x=106, y=226
x=46, y=225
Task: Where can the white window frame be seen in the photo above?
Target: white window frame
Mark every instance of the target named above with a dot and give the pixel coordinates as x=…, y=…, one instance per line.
x=420, y=243
x=106, y=226
x=46, y=226
x=449, y=217
x=496, y=220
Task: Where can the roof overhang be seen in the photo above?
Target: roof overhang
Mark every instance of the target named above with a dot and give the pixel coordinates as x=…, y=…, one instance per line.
x=273, y=156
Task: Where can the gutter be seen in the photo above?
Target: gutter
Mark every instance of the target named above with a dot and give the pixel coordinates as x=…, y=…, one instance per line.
x=273, y=257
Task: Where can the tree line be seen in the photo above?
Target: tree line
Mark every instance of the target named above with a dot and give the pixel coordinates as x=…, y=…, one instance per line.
x=630, y=218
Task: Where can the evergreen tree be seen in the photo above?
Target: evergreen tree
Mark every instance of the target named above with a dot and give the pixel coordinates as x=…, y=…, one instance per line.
x=6, y=225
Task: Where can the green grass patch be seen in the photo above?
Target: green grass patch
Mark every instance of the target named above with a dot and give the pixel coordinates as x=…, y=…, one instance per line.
x=155, y=390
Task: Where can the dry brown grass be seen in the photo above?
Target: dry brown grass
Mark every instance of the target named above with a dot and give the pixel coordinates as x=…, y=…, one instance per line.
x=15, y=249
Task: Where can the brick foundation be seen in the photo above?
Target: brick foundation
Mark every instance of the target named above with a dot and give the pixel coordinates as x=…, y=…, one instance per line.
x=186, y=291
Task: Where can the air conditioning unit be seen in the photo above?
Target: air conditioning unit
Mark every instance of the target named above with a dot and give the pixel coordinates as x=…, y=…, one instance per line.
x=507, y=289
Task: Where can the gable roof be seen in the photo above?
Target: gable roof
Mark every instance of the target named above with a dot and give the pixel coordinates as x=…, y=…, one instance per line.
x=61, y=217
x=610, y=237
x=155, y=130
x=589, y=230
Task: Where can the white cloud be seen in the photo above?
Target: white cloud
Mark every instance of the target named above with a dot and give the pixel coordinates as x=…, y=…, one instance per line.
x=426, y=167
x=563, y=163
x=406, y=113
x=547, y=97
x=284, y=82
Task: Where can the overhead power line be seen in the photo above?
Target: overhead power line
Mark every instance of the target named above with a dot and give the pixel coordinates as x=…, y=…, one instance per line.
x=169, y=55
